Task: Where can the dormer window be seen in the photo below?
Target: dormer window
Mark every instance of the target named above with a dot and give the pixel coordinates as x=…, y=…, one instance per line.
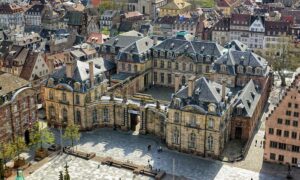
x=257, y=71
x=223, y=68
x=162, y=54
x=155, y=53
x=239, y=111
x=249, y=70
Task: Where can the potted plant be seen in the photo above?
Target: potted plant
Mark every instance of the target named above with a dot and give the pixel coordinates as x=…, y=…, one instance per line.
x=39, y=137
x=18, y=147
x=6, y=153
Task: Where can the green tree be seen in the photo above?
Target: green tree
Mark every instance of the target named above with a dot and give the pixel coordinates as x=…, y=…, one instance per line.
x=61, y=176
x=18, y=146
x=66, y=176
x=39, y=136
x=6, y=152
x=72, y=133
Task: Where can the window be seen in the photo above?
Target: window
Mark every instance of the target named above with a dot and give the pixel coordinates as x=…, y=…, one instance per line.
x=272, y=156
x=169, y=79
x=278, y=132
x=123, y=66
x=65, y=115
x=279, y=121
x=287, y=122
x=286, y=133
x=176, y=136
x=162, y=64
x=289, y=105
x=296, y=106
x=176, y=65
x=295, y=123
x=176, y=117
x=51, y=95
x=135, y=68
x=296, y=114
x=294, y=135
x=183, y=80
x=94, y=116
x=155, y=63
x=282, y=146
x=295, y=148
x=169, y=64
x=64, y=96
x=155, y=76
x=183, y=66
x=273, y=144
x=280, y=158
x=105, y=115
x=271, y=131
x=223, y=68
x=78, y=117
x=211, y=123
x=51, y=112
x=210, y=142
x=162, y=77
x=192, y=141
x=288, y=113
x=294, y=160
x=129, y=67
x=77, y=99
x=191, y=67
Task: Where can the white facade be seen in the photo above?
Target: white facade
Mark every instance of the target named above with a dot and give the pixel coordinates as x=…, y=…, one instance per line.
x=33, y=19
x=257, y=33
x=16, y=19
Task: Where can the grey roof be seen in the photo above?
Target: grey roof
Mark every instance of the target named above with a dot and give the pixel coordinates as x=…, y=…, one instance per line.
x=234, y=58
x=121, y=76
x=236, y=45
x=204, y=94
x=247, y=99
x=103, y=65
x=122, y=41
x=193, y=48
x=205, y=90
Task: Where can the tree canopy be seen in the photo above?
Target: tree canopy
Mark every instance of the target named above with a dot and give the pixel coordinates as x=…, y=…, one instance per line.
x=40, y=136
x=72, y=133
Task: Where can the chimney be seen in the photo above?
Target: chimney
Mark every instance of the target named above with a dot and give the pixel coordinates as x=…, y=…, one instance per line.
x=177, y=82
x=191, y=85
x=91, y=72
x=69, y=69
x=223, y=90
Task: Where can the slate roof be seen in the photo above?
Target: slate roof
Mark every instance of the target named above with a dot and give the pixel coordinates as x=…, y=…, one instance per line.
x=123, y=40
x=234, y=58
x=236, y=45
x=37, y=8
x=247, y=99
x=75, y=18
x=206, y=92
x=193, y=48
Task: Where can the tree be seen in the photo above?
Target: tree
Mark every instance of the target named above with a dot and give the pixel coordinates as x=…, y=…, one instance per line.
x=72, y=133
x=18, y=146
x=66, y=176
x=6, y=153
x=40, y=136
x=61, y=176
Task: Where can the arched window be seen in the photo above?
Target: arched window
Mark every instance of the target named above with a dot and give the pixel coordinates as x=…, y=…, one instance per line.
x=51, y=112
x=192, y=140
x=191, y=67
x=258, y=71
x=64, y=96
x=105, y=114
x=176, y=65
x=51, y=94
x=183, y=80
x=78, y=117
x=77, y=99
x=176, y=136
x=223, y=68
x=193, y=120
x=210, y=142
x=211, y=123
x=249, y=70
x=240, y=69
x=183, y=66
x=65, y=115
x=135, y=68
x=176, y=117
x=94, y=116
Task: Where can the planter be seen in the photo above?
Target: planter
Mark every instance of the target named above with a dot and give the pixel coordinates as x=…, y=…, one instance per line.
x=19, y=162
x=7, y=172
x=41, y=153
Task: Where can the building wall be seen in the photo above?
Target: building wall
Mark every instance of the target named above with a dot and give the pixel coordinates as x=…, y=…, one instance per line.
x=277, y=121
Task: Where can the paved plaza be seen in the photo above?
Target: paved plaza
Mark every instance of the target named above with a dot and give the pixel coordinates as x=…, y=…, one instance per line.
x=126, y=147
x=80, y=169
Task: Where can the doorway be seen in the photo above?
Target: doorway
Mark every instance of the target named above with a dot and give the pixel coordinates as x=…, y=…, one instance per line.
x=27, y=137
x=238, y=132
x=133, y=121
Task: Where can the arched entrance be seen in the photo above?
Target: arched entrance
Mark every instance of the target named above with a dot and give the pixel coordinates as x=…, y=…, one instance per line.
x=27, y=137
